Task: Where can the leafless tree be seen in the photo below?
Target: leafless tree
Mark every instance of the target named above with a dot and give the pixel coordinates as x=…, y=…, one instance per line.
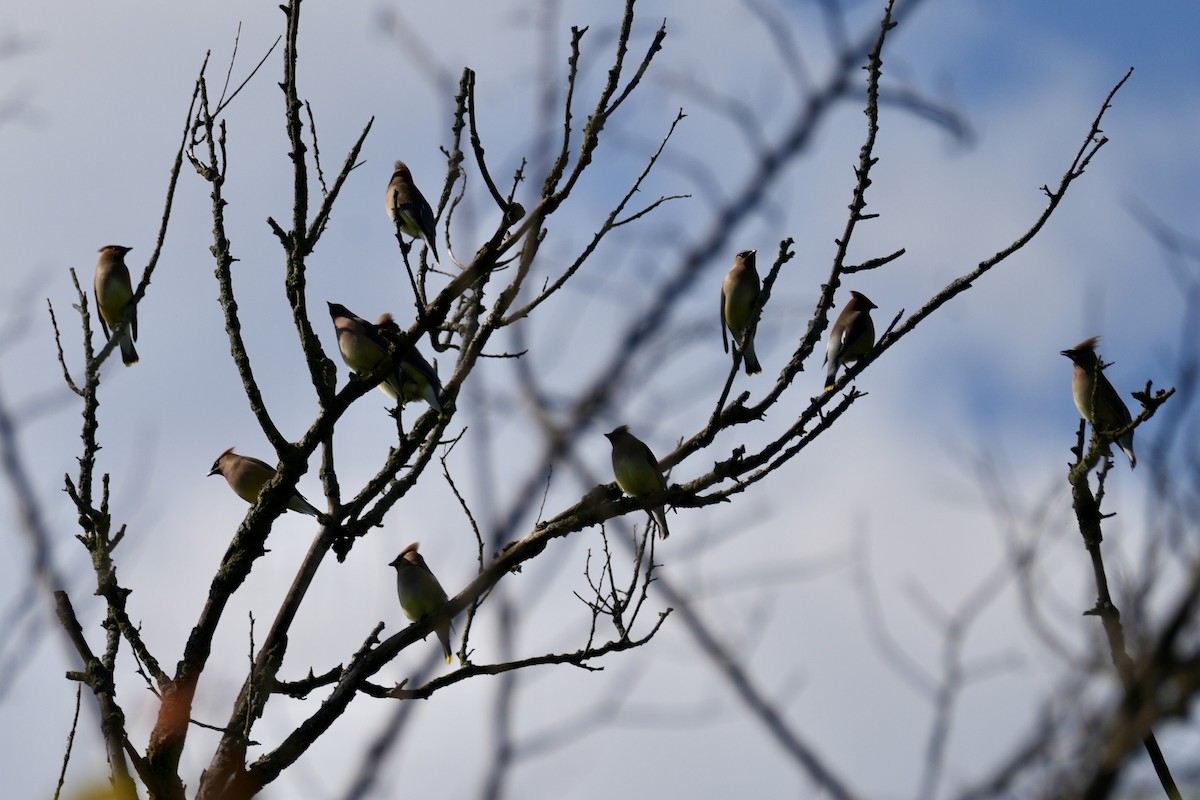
x=477, y=304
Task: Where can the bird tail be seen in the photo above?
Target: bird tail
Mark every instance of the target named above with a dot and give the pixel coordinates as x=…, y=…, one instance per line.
x=660, y=516
x=1126, y=444
x=831, y=374
x=430, y=393
x=752, y=365
x=443, y=635
x=128, y=353
x=298, y=503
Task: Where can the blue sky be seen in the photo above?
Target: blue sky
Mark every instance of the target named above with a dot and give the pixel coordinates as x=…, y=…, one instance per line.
x=86, y=163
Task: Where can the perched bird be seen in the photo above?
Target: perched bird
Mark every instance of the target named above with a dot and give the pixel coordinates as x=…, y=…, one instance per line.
x=420, y=593
x=364, y=346
x=1096, y=398
x=418, y=378
x=405, y=199
x=852, y=337
x=113, y=293
x=739, y=293
x=636, y=470
x=247, y=476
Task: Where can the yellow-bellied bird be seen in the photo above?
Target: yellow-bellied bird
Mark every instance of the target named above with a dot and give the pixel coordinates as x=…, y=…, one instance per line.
x=363, y=347
x=636, y=470
x=1096, y=398
x=852, y=337
x=407, y=207
x=739, y=293
x=113, y=294
x=420, y=593
x=418, y=378
x=247, y=476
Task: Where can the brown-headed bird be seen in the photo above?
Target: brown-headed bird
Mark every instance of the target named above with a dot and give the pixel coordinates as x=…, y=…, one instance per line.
x=408, y=208
x=418, y=378
x=636, y=470
x=852, y=337
x=420, y=593
x=739, y=294
x=247, y=476
x=113, y=294
x=364, y=346
x=1096, y=398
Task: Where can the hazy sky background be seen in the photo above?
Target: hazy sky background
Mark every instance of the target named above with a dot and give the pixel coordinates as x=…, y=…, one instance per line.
x=101, y=91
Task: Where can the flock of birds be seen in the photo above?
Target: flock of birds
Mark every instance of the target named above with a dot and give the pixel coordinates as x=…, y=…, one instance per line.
x=364, y=347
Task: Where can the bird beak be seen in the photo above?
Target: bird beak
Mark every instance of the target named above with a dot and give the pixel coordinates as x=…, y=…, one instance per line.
x=394, y=562
x=1066, y=353
x=214, y=470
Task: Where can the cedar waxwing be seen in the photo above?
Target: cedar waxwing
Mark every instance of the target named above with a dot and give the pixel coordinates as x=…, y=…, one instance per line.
x=416, y=217
x=247, y=476
x=1096, y=398
x=739, y=293
x=852, y=337
x=636, y=470
x=418, y=379
x=113, y=293
x=420, y=593
x=364, y=346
